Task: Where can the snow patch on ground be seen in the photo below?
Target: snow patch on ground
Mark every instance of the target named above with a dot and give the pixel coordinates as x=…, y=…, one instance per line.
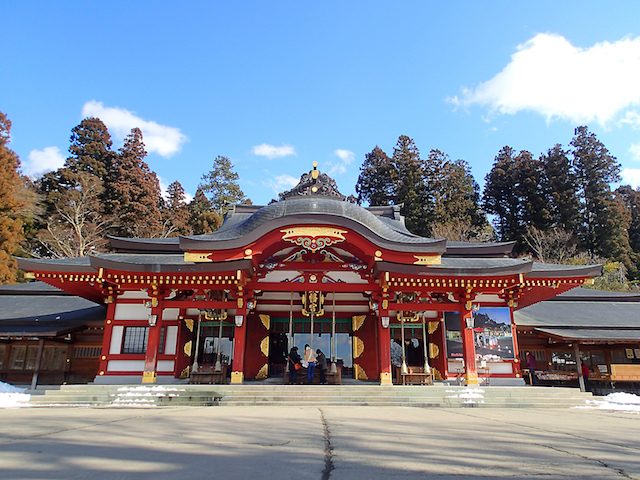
x=155, y=388
x=13, y=397
x=469, y=395
x=620, y=401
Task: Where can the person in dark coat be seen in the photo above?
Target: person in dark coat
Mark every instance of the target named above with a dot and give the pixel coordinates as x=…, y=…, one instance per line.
x=294, y=361
x=322, y=366
x=531, y=365
x=585, y=375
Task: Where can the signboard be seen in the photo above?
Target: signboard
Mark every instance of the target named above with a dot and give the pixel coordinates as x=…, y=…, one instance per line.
x=492, y=334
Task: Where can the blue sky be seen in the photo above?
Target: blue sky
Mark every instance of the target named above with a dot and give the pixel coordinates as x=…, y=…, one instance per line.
x=276, y=85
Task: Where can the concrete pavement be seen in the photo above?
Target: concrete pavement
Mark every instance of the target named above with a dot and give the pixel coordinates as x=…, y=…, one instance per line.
x=327, y=443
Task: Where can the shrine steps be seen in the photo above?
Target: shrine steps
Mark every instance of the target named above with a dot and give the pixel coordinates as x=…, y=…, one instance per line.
x=437, y=396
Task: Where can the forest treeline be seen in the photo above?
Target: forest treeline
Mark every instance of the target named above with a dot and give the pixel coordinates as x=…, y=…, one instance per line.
x=557, y=207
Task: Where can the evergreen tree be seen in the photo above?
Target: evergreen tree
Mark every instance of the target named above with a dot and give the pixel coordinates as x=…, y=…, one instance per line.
x=603, y=219
x=631, y=199
x=454, y=199
x=562, y=188
x=11, y=205
x=501, y=196
x=409, y=186
x=375, y=184
x=176, y=212
x=530, y=182
x=90, y=148
x=221, y=184
x=202, y=218
x=90, y=152
x=134, y=196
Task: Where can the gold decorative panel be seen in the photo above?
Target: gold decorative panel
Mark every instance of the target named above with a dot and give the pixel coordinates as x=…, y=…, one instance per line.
x=187, y=348
x=149, y=377
x=313, y=238
x=357, y=321
x=358, y=346
x=185, y=372
x=266, y=320
x=385, y=378
x=312, y=303
x=197, y=257
x=237, y=377
x=408, y=316
x=428, y=260
x=434, y=350
x=436, y=374
x=359, y=372
x=263, y=372
x=189, y=324
x=433, y=326
x=264, y=346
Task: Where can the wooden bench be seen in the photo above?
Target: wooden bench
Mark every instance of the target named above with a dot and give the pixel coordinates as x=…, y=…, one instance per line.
x=625, y=372
x=416, y=376
x=208, y=375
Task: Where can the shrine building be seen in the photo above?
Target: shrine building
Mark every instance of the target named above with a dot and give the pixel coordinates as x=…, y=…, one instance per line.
x=312, y=268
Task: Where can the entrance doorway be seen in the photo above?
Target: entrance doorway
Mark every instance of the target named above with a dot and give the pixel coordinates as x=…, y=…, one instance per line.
x=338, y=346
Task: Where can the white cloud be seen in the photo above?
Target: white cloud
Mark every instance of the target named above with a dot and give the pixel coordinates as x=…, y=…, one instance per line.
x=273, y=151
x=631, y=176
x=160, y=139
x=634, y=149
x=550, y=76
x=346, y=157
x=281, y=183
x=43, y=161
x=631, y=118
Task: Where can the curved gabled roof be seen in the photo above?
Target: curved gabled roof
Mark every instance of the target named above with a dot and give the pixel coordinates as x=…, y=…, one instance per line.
x=312, y=209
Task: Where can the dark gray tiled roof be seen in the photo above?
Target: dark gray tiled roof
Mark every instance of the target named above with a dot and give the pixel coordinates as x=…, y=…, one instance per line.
x=46, y=315
x=30, y=288
x=591, y=294
x=580, y=314
x=313, y=206
x=598, y=334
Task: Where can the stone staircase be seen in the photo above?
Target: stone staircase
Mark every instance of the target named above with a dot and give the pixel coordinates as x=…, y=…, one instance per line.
x=310, y=395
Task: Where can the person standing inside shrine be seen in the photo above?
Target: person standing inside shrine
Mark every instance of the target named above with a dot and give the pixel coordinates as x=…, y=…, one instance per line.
x=294, y=365
x=531, y=365
x=310, y=359
x=322, y=366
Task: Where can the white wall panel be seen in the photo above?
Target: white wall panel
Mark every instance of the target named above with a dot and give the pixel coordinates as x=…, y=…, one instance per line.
x=135, y=294
x=172, y=338
x=116, y=339
x=170, y=313
x=125, y=365
x=165, y=365
x=131, y=312
x=499, y=367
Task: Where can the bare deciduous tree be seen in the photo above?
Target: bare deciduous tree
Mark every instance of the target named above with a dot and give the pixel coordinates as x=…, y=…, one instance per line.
x=462, y=231
x=554, y=245
x=76, y=228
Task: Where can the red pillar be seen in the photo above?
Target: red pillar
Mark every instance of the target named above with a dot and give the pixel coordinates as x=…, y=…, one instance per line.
x=153, y=341
x=517, y=368
x=384, y=351
x=468, y=349
x=239, y=342
x=106, y=338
